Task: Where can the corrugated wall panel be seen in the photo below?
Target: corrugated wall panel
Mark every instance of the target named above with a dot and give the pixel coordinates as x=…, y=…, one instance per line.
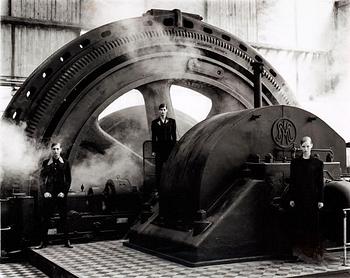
x=284, y=31
x=276, y=23
x=283, y=23
x=34, y=45
x=16, y=8
x=238, y=17
x=27, y=8
x=4, y=7
x=306, y=73
x=67, y=11
x=6, y=49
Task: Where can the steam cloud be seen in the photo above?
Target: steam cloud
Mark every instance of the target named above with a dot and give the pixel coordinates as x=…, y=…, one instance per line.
x=333, y=106
x=19, y=156
x=97, y=169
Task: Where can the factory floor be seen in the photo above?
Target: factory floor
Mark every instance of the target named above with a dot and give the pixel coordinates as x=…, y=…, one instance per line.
x=112, y=259
x=19, y=269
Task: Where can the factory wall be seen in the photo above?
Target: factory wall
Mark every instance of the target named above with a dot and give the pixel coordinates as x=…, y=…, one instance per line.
x=295, y=36
x=32, y=30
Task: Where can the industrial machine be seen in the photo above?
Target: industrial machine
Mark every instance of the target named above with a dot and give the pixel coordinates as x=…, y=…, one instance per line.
x=222, y=191
x=93, y=213
x=222, y=197
x=64, y=96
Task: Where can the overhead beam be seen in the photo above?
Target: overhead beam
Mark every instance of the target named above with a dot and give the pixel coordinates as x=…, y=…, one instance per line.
x=280, y=48
x=16, y=81
x=40, y=23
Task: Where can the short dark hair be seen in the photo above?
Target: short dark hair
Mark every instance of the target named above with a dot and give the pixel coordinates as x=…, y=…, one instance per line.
x=162, y=105
x=55, y=144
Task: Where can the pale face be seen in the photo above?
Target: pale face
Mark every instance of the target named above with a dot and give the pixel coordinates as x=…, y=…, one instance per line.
x=56, y=151
x=163, y=112
x=306, y=148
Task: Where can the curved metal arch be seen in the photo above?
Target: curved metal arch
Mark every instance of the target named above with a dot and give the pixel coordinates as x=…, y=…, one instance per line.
x=64, y=94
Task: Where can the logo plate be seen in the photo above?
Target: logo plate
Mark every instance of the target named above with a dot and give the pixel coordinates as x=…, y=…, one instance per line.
x=284, y=133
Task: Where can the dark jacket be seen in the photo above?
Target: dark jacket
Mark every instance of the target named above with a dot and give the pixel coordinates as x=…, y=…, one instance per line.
x=306, y=188
x=55, y=176
x=306, y=181
x=163, y=136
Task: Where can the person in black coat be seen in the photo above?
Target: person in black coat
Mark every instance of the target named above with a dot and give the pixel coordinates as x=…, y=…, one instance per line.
x=163, y=139
x=55, y=178
x=306, y=199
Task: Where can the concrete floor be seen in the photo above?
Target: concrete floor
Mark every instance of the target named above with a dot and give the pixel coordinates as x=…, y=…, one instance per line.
x=112, y=259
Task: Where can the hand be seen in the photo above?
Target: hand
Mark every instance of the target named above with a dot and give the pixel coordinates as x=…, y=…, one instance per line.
x=47, y=195
x=153, y=154
x=292, y=204
x=60, y=195
x=320, y=205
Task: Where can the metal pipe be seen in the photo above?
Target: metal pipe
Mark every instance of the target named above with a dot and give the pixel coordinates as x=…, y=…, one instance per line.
x=344, y=237
x=345, y=244
x=178, y=18
x=258, y=69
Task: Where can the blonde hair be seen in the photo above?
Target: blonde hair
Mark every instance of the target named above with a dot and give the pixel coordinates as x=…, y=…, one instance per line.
x=305, y=139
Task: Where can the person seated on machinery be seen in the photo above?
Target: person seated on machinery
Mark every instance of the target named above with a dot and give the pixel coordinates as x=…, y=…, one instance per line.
x=55, y=176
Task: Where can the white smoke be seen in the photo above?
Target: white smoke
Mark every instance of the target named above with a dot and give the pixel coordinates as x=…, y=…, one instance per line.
x=19, y=156
x=333, y=106
x=96, y=169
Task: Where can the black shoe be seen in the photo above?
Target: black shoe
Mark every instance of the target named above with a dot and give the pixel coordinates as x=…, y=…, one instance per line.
x=68, y=245
x=41, y=246
x=294, y=259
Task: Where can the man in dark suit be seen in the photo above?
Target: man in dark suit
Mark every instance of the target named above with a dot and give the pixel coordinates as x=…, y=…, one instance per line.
x=55, y=182
x=306, y=192
x=163, y=139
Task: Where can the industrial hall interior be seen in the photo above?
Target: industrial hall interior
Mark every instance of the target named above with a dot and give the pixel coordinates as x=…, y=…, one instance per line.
x=175, y=138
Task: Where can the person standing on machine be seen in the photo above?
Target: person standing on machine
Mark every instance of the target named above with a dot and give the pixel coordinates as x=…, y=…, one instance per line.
x=163, y=139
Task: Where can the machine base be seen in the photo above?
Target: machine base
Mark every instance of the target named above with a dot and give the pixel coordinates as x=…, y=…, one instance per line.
x=190, y=260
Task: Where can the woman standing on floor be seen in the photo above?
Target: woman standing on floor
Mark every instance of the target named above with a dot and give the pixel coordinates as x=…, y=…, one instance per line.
x=306, y=189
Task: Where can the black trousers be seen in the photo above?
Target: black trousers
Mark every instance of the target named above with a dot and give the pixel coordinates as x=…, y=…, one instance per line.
x=307, y=234
x=161, y=158
x=50, y=205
